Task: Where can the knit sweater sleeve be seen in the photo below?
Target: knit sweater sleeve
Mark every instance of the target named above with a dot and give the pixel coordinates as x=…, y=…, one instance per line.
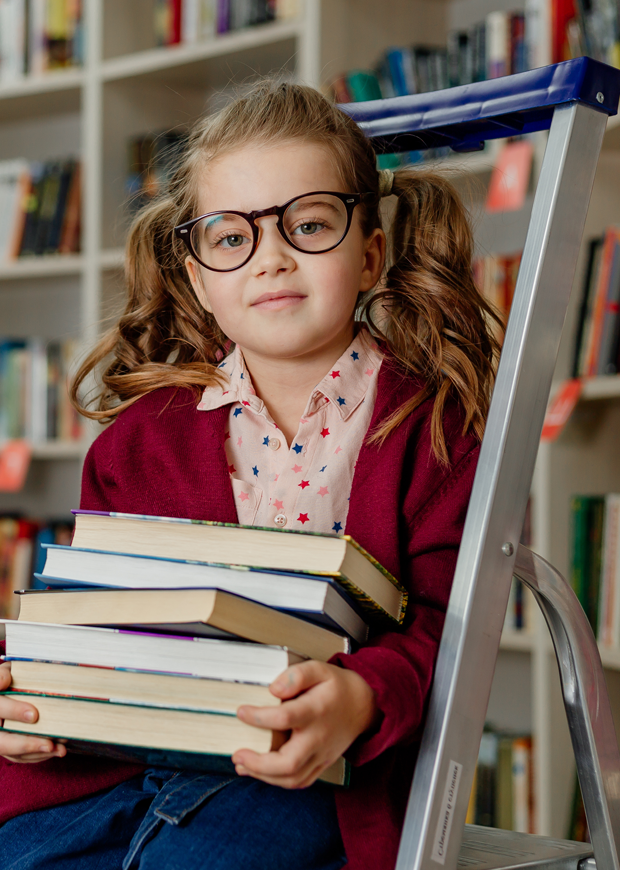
x=98, y=484
x=399, y=666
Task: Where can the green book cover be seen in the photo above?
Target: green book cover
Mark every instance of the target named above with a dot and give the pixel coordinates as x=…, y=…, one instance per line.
x=363, y=85
x=503, y=791
x=595, y=557
x=579, y=548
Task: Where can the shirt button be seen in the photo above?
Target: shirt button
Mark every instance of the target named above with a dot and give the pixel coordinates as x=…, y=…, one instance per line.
x=280, y=519
x=274, y=443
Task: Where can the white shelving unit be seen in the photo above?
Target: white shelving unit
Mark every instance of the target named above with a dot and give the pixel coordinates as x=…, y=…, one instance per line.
x=129, y=87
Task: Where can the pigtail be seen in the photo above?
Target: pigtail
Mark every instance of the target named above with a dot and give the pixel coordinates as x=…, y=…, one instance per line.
x=429, y=311
x=164, y=337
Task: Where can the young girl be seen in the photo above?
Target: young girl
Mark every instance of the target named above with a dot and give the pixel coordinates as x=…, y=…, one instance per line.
x=244, y=386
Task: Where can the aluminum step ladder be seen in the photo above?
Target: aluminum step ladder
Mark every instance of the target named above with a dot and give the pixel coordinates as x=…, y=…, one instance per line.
x=573, y=101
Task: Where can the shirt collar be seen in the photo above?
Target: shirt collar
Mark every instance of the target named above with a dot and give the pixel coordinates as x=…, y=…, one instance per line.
x=345, y=385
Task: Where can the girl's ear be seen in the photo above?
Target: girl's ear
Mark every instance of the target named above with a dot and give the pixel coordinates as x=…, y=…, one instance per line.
x=374, y=260
x=195, y=277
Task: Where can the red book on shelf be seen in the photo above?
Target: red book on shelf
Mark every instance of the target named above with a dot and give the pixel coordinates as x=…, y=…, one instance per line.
x=562, y=11
x=612, y=236
x=174, y=22
x=511, y=177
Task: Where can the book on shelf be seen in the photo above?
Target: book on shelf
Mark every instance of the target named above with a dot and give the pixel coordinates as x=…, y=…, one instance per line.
x=34, y=399
x=151, y=159
x=14, y=187
x=596, y=348
x=195, y=612
x=306, y=553
x=39, y=208
x=502, y=793
x=21, y=552
x=39, y=35
x=191, y=21
x=319, y=599
x=595, y=562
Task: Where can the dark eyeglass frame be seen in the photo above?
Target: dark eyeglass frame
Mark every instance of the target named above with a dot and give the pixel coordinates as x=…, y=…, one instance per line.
x=184, y=231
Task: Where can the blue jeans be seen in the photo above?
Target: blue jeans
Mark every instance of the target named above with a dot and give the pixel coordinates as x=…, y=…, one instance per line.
x=167, y=820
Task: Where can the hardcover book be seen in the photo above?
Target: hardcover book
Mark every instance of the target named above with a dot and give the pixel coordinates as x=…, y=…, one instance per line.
x=340, y=557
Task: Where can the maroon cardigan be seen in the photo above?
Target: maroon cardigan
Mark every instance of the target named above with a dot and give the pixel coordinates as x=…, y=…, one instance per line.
x=163, y=457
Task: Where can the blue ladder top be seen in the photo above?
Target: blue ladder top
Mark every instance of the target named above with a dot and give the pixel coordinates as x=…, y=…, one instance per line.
x=464, y=117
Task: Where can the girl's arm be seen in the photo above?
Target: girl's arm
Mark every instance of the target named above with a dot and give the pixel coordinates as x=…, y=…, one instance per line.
x=376, y=698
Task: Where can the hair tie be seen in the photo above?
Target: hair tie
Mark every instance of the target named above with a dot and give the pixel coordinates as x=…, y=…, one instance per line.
x=386, y=181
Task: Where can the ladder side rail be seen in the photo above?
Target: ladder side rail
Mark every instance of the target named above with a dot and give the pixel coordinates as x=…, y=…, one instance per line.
x=586, y=700
x=442, y=780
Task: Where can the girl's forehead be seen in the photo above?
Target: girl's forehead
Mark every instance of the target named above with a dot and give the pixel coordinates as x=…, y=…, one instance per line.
x=255, y=177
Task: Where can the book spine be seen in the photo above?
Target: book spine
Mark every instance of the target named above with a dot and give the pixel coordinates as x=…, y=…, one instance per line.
x=594, y=341
x=611, y=315
x=497, y=44
x=538, y=32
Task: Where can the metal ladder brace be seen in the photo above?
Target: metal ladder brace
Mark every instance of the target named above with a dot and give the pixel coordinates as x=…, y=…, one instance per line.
x=573, y=100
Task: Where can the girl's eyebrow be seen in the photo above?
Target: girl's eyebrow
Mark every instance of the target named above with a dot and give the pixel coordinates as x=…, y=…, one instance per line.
x=313, y=204
x=217, y=218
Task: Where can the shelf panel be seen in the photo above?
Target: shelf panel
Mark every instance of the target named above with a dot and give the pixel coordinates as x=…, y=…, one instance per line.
x=162, y=63
x=517, y=641
x=60, y=450
x=54, y=93
x=604, y=387
x=112, y=258
x=42, y=267
x=610, y=656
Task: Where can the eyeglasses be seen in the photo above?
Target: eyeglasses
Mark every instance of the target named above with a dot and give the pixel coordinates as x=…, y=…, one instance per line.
x=313, y=223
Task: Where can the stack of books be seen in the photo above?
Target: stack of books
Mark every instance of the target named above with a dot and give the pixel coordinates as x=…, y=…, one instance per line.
x=156, y=630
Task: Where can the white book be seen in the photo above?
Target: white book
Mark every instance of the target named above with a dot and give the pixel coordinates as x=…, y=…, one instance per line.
x=37, y=49
x=316, y=598
x=12, y=43
x=14, y=176
x=119, y=648
x=497, y=44
x=538, y=32
x=190, y=21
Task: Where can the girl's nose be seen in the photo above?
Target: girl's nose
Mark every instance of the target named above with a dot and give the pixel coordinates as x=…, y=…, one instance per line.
x=272, y=254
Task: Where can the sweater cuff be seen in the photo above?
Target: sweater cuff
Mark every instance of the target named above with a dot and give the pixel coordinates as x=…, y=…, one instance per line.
x=400, y=711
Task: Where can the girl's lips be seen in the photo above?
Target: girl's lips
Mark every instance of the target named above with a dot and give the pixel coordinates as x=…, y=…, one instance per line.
x=279, y=300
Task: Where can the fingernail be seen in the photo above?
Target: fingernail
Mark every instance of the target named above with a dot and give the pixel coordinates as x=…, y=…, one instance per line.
x=29, y=715
x=241, y=770
x=44, y=748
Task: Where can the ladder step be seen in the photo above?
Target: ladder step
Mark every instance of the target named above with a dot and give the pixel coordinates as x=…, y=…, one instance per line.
x=493, y=849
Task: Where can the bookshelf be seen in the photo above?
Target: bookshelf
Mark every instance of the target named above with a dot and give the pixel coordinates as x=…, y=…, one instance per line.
x=128, y=87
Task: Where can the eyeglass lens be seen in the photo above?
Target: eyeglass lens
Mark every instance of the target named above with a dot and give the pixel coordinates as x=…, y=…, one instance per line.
x=312, y=223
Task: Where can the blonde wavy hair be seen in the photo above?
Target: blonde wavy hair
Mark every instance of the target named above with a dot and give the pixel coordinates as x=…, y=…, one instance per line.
x=427, y=309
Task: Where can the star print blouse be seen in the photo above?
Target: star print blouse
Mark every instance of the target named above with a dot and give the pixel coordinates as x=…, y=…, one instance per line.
x=306, y=485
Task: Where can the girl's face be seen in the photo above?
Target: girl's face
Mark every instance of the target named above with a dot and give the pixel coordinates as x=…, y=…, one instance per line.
x=283, y=303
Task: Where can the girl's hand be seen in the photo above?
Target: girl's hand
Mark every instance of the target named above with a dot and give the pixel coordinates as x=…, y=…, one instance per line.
x=22, y=747
x=332, y=706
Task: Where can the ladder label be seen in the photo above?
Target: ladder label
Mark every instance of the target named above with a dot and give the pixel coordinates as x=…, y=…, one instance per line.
x=448, y=805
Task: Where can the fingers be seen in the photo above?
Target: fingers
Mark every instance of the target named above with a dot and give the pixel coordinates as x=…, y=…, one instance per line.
x=293, y=714
x=299, y=678
x=17, y=711
x=295, y=765
x=5, y=676
x=29, y=748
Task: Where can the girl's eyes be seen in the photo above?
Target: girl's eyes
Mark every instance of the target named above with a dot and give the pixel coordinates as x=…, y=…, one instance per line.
x=232, y=240
x=308, y=228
